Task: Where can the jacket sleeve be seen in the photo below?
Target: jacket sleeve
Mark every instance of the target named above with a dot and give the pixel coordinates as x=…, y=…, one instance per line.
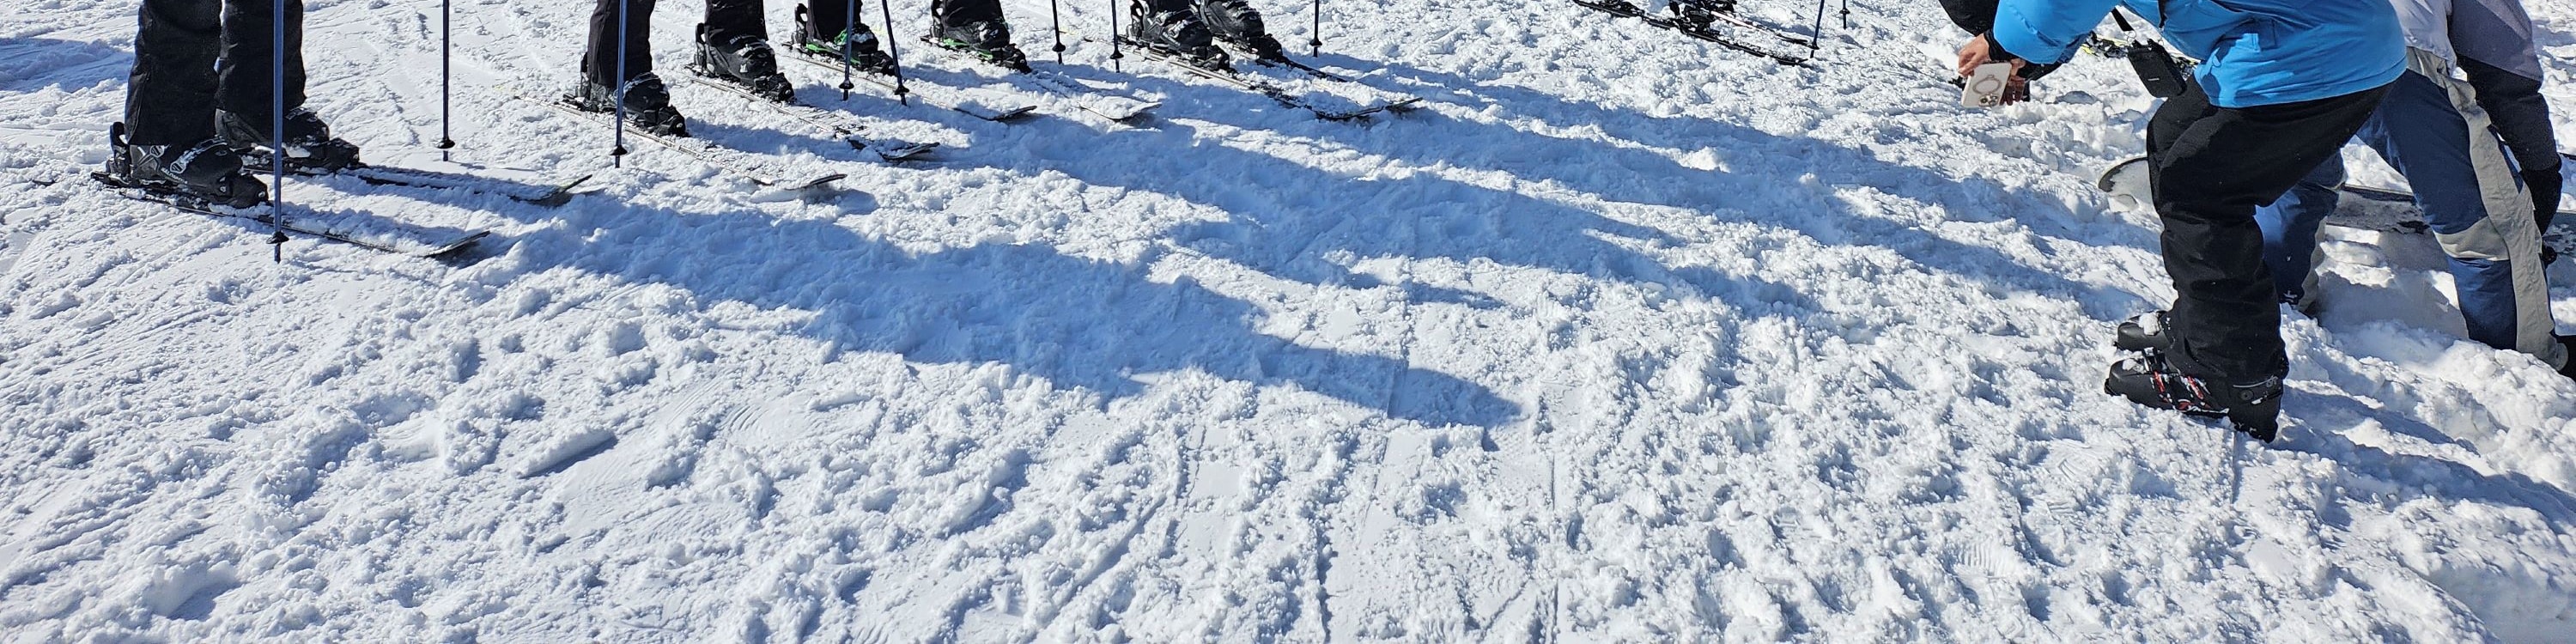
x=1973, y=16
x=2047, y=31
x=2520, y=114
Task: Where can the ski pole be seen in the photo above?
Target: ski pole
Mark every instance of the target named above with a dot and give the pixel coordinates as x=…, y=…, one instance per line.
x=1114, y=38
x=1315, y=41
x=446, y=43
x=1816, y=37
x=277, y=131
x=1846, y=15
x=1056, y=20
x=887, y=15
x=617, y=155
x=849, y=23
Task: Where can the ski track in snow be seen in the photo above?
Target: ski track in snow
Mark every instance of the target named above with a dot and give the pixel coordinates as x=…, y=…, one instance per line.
x=1621, y=337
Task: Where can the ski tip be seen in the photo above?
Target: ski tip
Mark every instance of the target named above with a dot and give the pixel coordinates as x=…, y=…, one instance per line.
x=907, y=153
x=2110, y=178
x=819, y=182
x=456, y=248
x=1012, y=114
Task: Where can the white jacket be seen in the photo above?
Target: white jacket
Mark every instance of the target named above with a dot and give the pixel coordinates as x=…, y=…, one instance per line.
x=2495, y=32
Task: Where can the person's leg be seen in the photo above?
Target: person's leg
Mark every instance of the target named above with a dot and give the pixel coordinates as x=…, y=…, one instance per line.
x=2290, y=228
x=1174, y=27
x=2210, y=168
x=2210, y=173
x=246, y=71
x=954, y=13
x=2437, y=135
x=733, y=46
x=170, y=95
x=824, y=20
x=820, y=28
x=976, y=27
x=600, y=63
x=639, y=93
x=1235, y=21
x=728, y=20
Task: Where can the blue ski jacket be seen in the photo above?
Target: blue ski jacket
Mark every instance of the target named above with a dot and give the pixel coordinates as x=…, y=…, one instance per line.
x=2252, y=52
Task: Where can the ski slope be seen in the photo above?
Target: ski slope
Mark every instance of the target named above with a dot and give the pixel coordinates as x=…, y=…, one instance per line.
x=1620, y=337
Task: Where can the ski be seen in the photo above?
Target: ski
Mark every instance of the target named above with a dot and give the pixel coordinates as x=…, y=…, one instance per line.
x=1116, y=108
x=1276, y=91
x=722, y=158
x=1387, y=101
x=1121, y=109
x=372, y=233
x=377, y=175
x=1729, y=41
x=936, y=96
x=840, y=124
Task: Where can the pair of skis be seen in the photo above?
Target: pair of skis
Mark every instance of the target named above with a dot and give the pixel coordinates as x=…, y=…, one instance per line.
x=1700, y=25
x=365, y=231
x=746, y=164
x=1119, y=108
x=1299, y=91
x=1113, y=107
x=360, y=230
x=841, y=124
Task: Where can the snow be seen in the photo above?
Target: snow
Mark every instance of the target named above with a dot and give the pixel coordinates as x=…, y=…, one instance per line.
x=1620, y=337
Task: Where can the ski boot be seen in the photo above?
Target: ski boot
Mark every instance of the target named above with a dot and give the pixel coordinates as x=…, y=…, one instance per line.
x=208, y=170
x=1237, y=24
x=1699, y=14
x=858, y=44
x=309, y=145
x=989, y=40
x=648, y=104
x=2141, y=332
x=2150, y=379
x=1178, y=33
x=744, y=61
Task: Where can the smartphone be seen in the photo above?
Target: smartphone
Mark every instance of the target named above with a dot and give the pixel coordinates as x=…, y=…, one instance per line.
x=1985, y=88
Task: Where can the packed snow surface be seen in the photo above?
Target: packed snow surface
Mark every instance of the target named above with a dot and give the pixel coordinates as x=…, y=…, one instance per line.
x=1620, y=337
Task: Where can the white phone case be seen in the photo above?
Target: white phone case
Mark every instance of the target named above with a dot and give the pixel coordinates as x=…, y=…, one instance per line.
x=1985, y=88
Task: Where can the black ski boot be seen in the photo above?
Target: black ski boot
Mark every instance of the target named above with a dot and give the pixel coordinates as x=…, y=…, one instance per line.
x=648, y=104
x=309, y=145
x=1178, y=33
x=2141, y=332
x=2151, y=380
x=2567, y=344
x=1699, y=14
x=209, y=170
x=859, y=44
x=1236, y=23
x=745, y=61
x=986, y=39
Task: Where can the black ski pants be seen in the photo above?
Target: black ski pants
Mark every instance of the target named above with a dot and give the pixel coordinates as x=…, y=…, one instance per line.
x=725, y=21
x=192, y=57
x=2212, y=166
